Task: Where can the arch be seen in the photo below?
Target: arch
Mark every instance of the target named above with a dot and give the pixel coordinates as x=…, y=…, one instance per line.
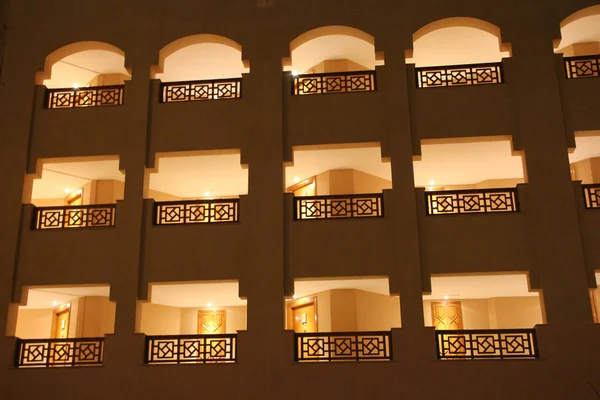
x=193, y=40
x=73, y=49
x=580, y=33
x=333, y=43
x=467, y=41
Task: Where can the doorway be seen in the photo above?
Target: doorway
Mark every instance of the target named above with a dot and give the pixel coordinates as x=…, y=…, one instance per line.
x=211, y=322
x=60, y=323
x=447, y=315
x=302, y=315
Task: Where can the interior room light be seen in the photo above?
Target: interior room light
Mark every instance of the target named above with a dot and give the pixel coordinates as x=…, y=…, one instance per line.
x=206, y=194
x=431, y=182
x=54, y=303
x=294, y=297
x=75, y=86
x=68, y=305
x=294, y=73
x=67, y=190
x=446, y=297
x=210, y=304
x=296, y=180
x=79, y=191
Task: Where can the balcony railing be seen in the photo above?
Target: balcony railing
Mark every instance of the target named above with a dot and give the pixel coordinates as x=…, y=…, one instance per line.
x=45, y=353
x=196, y=212
x=335, y=82
x=191, y=349
x=85, y=97
x=472, y=201
x=459, y=75
x=94, y=216
x=583, y=67
x=343, y=346
x=484, y=344
x=591, y=194
x=220, y=89
x=332, y=207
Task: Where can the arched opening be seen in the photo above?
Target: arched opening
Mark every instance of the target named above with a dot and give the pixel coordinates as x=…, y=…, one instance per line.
x=458, y=51
x=580, y=33
x=333, y=50
x=84, y=64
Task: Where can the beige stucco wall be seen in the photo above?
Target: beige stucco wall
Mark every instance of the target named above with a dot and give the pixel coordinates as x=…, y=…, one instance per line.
x=235, y=320
x=349, y=181
x=376, y=312
x=34, y=323
x=587, y=171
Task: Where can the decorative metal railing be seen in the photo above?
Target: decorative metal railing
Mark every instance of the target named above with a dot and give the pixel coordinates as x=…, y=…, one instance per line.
x=85, y=97
x=220, y=89
x=459, y=75
x=472, y=201
x=331, y=207
x=59, y=352
x=343, y=346
x=482, y=344
x=190, y=349
x=196, y=212
x=94, y=216
x=591, y=194
x=583, y=67
x=335, y=82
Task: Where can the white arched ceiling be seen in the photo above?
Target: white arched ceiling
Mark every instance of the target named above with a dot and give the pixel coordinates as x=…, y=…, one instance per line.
x=203, y=61
x=582, y=30
x=80, y=68
x=332, y=47
x=456, y=45
x=201, y=176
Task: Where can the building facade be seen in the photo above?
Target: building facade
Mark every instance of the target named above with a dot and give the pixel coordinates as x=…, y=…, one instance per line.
x=267, y=199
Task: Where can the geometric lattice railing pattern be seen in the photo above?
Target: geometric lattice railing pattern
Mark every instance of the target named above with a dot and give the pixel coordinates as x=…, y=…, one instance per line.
x=85, y=97
x=482, y=344
x=341, y=82
x=591, y=194
x=332, y=207
x=471, y=201
x=459, y=75
x=59, y=352
x=95, y=216
x=343, y=346
x=196, y=212
x=583, y=67
x=221, y=89
x=191, y=349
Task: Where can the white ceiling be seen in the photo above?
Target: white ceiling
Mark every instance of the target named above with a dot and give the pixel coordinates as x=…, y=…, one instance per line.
x=201, y=62
x=466, y=163
x=56, y=177
x=50, y=297
x=308, y=163
x=479, y=286
x=309, y=286
x=586, y=147
x=332, y=47
x=193, y=176
x=582, y=30
x=80, y=68
x=456, y=45
x=218, y=294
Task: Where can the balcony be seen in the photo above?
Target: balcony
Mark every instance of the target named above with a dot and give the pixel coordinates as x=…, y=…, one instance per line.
x=196, y=212
x=591, y=196
x=191, y=349
x=487, y=344
x=484, y=201
x=334, y=82
x=343, y=346
x=85, y=97
x=340, y=206
x=218, y=89
x=48, y=353
x=460, y=75
x=71, y=217
x=582, y=67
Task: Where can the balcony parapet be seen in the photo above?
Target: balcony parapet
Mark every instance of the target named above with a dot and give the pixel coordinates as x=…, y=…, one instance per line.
x=334, y=82
x=191, y=349
x=583, y=67
x=591, y=196
x=460, y=75
x=98, y=96
x=217, y=89
x=343, y=346
x=486, y=344
x=338, y=206
x=196, y=212
x=48, y=353
x=476, y=201
x=69, y=217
